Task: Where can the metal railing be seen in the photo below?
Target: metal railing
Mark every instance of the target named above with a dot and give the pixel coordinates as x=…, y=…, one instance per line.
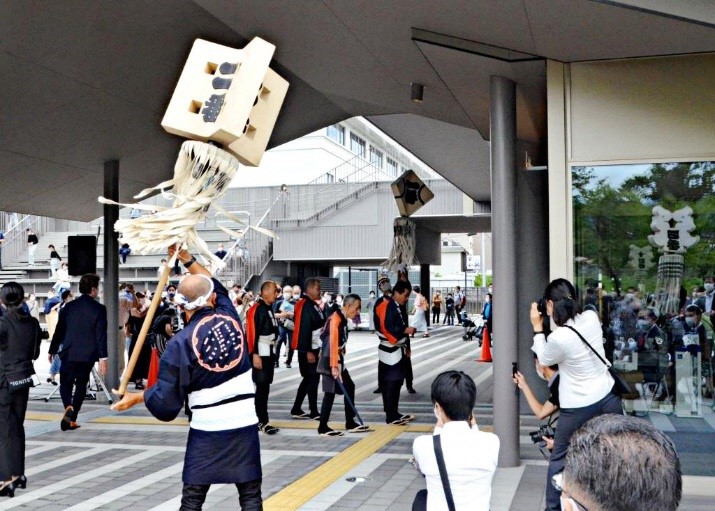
x=14, y=246
x=331, y=187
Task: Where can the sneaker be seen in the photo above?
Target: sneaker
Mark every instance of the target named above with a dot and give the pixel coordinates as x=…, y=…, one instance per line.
x=299, y=414
x=268, y=429
x=358, y=428
x=330, y=432
x=314, y=417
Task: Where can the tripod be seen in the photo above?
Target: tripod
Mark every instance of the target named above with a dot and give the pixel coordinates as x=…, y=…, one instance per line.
x=91, y=390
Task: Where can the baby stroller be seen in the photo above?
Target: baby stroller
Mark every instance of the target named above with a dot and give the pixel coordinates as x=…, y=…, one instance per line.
x=472, y=329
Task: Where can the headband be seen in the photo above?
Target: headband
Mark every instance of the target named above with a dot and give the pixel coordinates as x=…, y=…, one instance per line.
x=182, y=301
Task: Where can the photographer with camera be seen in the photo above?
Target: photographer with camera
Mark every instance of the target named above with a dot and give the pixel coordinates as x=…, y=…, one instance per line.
x=585, y=387
x=545, y=435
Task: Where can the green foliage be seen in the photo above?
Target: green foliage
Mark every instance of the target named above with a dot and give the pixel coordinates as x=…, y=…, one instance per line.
x=608, y=219
x=477, y=282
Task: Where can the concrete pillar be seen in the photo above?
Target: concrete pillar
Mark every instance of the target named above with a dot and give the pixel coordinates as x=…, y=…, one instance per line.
x=111, y=274
x=425, y=286
x=502, y=131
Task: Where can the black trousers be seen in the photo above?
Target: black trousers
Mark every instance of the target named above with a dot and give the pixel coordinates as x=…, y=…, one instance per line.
x=284, y=337
x=74, y=374
x=420, y=502
x=435, y=315
x=263, y=380
x=329, y=398
x=570, y=419
x=249, y=496
x=408, y=372
x=12, y=432
x=309, y=384
x=391, y=399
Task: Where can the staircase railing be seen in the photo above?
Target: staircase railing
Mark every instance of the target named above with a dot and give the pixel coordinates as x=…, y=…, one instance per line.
x=333, y=186
x=251, y=253
x=15, y=244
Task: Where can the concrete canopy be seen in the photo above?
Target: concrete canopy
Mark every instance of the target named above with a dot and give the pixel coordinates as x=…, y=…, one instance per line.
x=85, y=81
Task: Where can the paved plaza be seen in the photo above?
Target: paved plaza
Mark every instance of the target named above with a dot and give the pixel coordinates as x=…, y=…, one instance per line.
x=131, y=461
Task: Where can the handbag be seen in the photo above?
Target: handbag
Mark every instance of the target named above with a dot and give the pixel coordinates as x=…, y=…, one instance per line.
x=437, y=441
x=323, y=366
x=620, y=385
x=22, y=378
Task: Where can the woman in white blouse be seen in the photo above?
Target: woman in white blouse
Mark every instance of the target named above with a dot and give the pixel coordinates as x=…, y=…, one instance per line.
x=585, y=386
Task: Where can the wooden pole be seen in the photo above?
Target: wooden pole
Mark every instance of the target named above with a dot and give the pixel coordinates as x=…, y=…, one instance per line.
x=146, y=325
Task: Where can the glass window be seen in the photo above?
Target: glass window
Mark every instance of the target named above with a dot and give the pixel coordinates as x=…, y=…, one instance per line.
x=392, y=167
x=376, y=157
x=337, y=133
x=357, y=145
x=644, y=253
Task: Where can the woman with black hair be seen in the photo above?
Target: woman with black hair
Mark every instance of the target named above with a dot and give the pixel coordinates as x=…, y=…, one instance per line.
x=20, y=337
x=585, y=389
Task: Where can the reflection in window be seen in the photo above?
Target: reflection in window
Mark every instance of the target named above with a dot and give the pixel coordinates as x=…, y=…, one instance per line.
x=337, y=133
x=644, y=259
x=357, y=145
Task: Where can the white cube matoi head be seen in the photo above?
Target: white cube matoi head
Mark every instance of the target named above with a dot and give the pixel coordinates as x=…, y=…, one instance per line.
x=228, y=96
x=410, y=193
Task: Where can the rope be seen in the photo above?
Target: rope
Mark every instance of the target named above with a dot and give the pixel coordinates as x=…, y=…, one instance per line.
x=201, y=175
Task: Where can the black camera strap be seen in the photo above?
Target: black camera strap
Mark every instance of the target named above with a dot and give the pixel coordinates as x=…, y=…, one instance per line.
x=437, y=441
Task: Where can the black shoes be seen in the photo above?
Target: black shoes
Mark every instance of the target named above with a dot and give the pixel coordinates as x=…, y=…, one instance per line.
x=66, y=422
x=411, y=390
x=377, y=391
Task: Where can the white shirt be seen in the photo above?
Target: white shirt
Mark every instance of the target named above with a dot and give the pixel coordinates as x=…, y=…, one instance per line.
x=471, y=459
x=584, y=378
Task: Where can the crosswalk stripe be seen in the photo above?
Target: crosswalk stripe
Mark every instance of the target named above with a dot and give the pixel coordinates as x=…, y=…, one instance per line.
x=39, y=493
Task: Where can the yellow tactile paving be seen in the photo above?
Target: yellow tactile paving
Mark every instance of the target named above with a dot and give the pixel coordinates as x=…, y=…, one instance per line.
x=40, y=416
x=301, y=491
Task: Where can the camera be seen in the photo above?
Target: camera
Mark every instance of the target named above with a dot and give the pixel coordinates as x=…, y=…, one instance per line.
x=544, y=431
x=541, y=306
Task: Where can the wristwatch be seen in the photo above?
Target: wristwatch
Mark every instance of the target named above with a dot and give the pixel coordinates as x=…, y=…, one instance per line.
x=189, y=262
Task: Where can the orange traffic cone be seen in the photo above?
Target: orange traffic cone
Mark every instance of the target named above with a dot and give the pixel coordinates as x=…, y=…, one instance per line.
x=486, y=347
x=153, y=368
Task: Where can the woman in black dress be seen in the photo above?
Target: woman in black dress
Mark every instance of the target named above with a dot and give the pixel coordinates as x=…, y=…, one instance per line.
x=20, y=337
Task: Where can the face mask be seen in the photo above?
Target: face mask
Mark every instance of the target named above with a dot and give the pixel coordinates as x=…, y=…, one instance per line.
x=690, y=321
x=642, y=325
x=372, y=295
x=286, y=296
x=709, y=288
x=339, y=301
x=541, y=375
x=629, y=296
x=436, y=414
x=296, y=296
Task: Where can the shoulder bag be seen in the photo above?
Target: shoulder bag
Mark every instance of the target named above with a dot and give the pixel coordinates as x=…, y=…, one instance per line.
x=620, y=385
x=437, y=441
